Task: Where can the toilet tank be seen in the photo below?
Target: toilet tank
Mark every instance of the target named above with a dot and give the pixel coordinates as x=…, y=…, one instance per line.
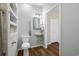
x=25, y=38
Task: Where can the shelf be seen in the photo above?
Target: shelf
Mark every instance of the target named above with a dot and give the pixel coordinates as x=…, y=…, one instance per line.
x=13, y=19
x=13, y=13
x=14, y=5
x=13, y=28
x=14, y=33
x=12, y=23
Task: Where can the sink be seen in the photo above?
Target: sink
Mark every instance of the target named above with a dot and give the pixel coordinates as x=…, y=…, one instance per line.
x=38, y=34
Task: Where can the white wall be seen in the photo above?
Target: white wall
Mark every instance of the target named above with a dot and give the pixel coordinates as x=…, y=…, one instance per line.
x=54, y=31
x=34, y=39
x=25, y=13
x=70, y=29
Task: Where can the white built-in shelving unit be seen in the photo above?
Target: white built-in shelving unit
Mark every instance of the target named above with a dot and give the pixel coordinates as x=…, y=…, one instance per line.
x=12, y=29
x=13, y=17
x=10, y=33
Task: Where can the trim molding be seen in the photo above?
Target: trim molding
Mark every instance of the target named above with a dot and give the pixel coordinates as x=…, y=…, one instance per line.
x=60, y=29
x=59, y=5
x=35, y=46
x=51, y=8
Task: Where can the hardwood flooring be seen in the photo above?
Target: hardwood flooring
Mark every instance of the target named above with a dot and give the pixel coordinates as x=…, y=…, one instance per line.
x=51, y=50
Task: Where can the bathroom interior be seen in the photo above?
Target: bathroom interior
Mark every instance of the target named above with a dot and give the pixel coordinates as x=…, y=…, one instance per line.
x=30, y=29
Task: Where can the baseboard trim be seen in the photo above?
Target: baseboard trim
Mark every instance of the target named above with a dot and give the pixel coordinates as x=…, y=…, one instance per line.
x=19, y=49
x=45, y=46
x=52, y=42
x=35, y=46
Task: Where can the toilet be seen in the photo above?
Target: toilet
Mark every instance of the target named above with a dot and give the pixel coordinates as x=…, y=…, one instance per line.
x=25, y=45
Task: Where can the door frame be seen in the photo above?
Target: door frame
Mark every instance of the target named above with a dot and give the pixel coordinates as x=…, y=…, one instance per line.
x=45, y=37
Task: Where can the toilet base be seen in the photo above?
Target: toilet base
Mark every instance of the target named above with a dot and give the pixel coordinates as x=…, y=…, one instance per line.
x=25, y=52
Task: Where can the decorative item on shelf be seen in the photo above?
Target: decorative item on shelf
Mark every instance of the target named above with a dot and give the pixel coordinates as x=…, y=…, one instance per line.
x=12, y=29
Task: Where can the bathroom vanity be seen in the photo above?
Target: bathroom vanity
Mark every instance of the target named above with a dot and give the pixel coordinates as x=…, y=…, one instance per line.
x=37, y=30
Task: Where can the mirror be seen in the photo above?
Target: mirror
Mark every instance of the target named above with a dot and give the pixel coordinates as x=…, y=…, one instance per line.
x=36, y=21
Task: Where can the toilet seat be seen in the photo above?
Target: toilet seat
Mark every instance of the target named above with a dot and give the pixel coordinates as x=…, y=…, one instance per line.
x=25, y=45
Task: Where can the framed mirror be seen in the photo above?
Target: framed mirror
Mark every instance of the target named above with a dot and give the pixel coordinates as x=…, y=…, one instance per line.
x=36, y=22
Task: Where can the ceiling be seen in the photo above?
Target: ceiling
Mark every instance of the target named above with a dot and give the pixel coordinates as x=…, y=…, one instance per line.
x=38, y=4
x=42, y=4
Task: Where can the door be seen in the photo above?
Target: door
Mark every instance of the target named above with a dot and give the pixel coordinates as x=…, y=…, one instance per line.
x=12, y=49
x=12, y=46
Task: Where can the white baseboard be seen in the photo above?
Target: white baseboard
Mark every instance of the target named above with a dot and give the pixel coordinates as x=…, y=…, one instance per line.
x=45, y=46
x=49, y=43
x=19, y=49
x=35, y=46
x=52, y=42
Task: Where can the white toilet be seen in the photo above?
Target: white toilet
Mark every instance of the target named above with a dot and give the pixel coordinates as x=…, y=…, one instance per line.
x=25, y=45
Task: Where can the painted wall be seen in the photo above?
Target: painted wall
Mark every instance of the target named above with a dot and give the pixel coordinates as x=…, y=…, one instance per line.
x=25, y=13
x=34, y=39
x=70, y=29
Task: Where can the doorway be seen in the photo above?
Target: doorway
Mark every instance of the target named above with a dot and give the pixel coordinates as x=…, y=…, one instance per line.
x=53, y=26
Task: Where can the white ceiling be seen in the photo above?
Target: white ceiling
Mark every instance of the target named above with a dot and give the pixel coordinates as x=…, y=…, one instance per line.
x=38, y=4
x=41, y=4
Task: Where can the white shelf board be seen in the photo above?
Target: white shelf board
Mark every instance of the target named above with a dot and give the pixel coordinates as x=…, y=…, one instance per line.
x=13, y=13
x=12, y=23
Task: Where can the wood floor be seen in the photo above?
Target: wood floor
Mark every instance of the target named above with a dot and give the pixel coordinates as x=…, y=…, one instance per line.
x=51, y=50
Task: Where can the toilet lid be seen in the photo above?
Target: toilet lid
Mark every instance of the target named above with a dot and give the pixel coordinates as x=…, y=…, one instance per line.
x=25, y=45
